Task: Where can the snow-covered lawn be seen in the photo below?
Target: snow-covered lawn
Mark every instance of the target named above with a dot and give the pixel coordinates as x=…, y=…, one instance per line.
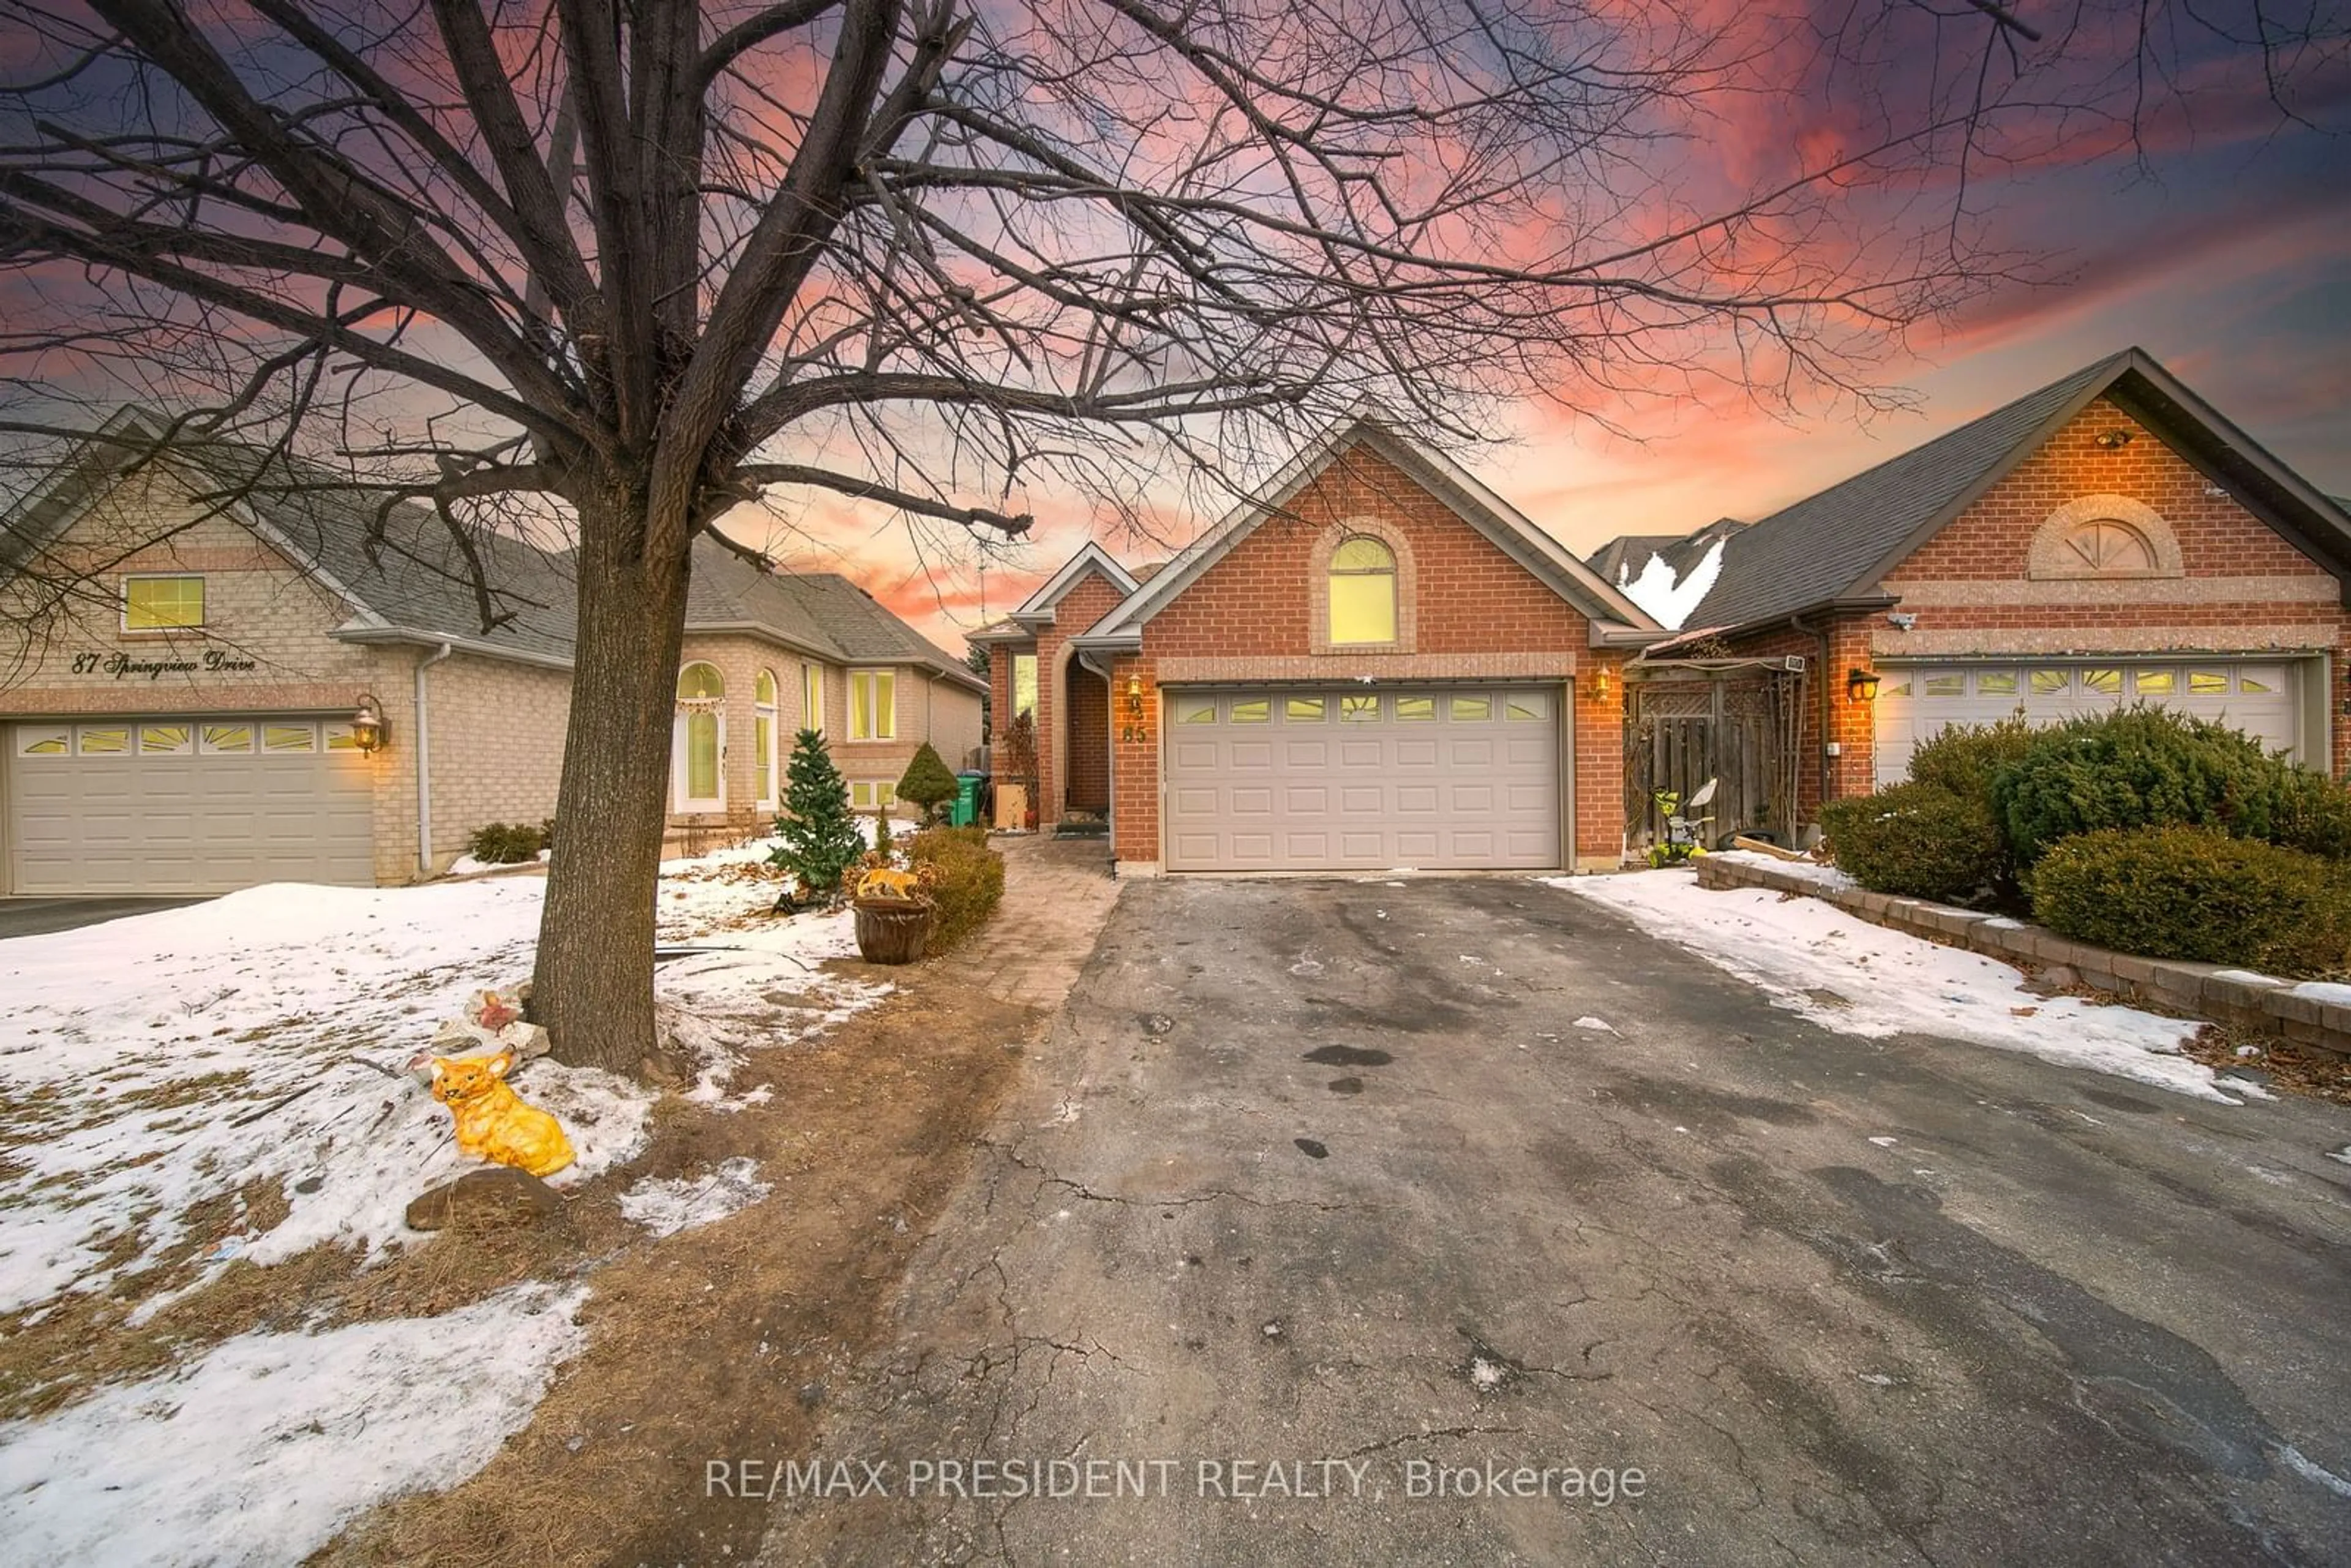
x=142, y=1067
x=1845, y=973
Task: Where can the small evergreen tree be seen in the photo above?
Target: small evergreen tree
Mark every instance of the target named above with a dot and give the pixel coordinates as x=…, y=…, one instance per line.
x=819, y=833
x=928, y=784
x=883, y=844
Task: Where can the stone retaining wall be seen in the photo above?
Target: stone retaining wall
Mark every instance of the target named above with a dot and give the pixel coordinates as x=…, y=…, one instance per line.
x=2208, y=990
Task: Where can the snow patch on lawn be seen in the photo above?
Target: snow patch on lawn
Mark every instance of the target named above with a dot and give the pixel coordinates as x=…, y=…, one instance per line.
x=1814, y=872
x=1848, y=974
x=136, y=1048
x=666, y=1207
x=266, y=1445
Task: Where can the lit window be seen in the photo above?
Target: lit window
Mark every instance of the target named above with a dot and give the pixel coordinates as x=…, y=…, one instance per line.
x=1898, y=687
x=700, y=683
x=161, y=603
x=812, y=697
x=166, y=739
x=1024, y=685
x=340, y=737
x=700, y=688
x=2207, y=682
x=2249, y=681
x=43, y=740
x=1414, y=710
x=872, y=796
x=1363, y=592
x=1358, y=710
x=1252, y=710
x=1195, y=710
x=1996, y=683
x=102, y=740
x=2107, y=683
x=1525, y=705
x=2155, y=682
x=1471, y=710
x=1947, y=685
x=226, y=739
x=763, y=734
x=288, y=738
x=1304, y=710
x=872, y=704
x=2051, y=683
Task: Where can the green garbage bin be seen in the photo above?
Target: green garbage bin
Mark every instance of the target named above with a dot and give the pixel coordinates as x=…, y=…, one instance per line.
x=967, y=800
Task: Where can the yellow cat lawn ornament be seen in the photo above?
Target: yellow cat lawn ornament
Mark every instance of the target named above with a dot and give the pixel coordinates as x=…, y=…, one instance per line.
x=493, y=1123
x=884, y=883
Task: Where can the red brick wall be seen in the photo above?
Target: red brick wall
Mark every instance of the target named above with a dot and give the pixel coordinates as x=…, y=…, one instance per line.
x=1088, y=601
x=1088, y=787
x=1962, y=586
x=1471, y=600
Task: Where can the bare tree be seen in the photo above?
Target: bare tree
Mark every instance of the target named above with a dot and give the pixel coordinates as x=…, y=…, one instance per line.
x=636, y=263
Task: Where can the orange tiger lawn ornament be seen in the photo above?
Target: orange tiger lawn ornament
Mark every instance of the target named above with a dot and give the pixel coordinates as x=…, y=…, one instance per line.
x=884, y=883
x=492, y=1122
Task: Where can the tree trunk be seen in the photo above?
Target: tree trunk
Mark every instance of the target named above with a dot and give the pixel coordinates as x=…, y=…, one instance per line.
x=593, y=984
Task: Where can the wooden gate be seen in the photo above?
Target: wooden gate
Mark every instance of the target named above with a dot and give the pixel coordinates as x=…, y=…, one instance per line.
x=1731, y=720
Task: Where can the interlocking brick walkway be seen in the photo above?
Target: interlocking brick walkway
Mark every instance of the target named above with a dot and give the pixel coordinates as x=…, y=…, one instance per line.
x=1057, y=893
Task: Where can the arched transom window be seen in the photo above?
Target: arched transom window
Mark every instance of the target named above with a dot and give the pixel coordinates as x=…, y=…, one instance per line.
x=1362, y=588
x=700, y=691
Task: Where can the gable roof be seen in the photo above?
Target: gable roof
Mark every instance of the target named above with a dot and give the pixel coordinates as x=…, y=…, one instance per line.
x=415, y=585
x=1037, y=610
x=1503, y=525
x=1837, y=544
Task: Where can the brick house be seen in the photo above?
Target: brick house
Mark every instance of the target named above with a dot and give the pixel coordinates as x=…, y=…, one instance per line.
x=2107, y=538
x=188, y=656
x=1374, y=662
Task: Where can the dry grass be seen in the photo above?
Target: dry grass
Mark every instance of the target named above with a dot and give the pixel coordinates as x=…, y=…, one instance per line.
x=717, y=1341
x=2291, y=1068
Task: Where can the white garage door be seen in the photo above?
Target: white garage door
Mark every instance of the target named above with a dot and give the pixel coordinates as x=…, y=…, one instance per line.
x=1363, y=779
x=185, y=805
x=1915, y=702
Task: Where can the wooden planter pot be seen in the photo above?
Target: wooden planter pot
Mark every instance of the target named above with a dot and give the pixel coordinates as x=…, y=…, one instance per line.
x=892, y=930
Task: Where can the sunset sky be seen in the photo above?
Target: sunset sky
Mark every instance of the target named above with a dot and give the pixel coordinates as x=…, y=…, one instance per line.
x=2227, y=258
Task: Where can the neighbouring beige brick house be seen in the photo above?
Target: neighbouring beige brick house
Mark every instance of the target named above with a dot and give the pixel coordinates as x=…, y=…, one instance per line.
x=190, y=663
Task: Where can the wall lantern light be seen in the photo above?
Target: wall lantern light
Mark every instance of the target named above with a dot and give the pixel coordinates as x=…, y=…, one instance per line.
x=366, y=726
x=1600, y=685
x=1133, y=730
x=1861, y=686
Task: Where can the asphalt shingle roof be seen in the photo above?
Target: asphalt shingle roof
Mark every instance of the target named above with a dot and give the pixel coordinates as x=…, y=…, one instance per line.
x=823, y=612
x=1814, y=551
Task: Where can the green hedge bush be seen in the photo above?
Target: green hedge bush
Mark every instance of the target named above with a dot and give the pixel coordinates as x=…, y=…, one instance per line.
x=2312, y=814
x=926, y=783
x=1966, y=757
x=508, y=843
x=2135, y=767
x=1917, y=839
x=2192, y=893
x=970, y=880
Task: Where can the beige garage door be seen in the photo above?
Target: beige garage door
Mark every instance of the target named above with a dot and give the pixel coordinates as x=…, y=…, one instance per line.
x=1363, y=779
x=185, y=805
x=1916, y=702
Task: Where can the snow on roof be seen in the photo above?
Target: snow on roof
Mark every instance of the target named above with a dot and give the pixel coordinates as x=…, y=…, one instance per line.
x=1670, y=599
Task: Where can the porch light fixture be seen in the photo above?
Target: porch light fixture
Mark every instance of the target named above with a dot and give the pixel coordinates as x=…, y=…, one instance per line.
x=2113, y=440
x=1600, y=685
x=366, y=726
x=1861, y=685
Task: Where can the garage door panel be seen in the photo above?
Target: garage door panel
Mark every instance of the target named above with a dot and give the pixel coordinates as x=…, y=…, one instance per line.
x=1918, y=702
x=1363, y=780
x=199, y=821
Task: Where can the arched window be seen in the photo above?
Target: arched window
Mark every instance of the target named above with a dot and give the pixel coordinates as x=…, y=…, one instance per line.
x=700, y=737
x=1363, y=590
x=763, y=733
x=2102, y=537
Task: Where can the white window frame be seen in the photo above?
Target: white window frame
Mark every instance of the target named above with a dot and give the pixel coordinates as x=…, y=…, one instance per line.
x=878, y=714
x=771, y=711
x=203, y=594
x=872, y=794
x=812, y=697
x=681, y=776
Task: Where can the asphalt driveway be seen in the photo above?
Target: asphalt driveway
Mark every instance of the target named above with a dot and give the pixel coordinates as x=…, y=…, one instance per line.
x=36, y=917
x=1330, y=1197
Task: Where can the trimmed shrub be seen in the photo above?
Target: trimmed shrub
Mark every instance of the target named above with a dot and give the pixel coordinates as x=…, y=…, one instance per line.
x=928, y=783
x=1964, y=758
x=1917, y=839
x=2176, y=892
x=2135, y=767
x=968, y=880
x=2313, y=814
x=505, y=843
